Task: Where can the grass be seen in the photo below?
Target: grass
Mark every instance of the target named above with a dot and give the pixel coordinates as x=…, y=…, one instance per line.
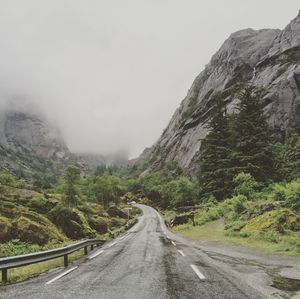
x=214, y=231
x=26, y=272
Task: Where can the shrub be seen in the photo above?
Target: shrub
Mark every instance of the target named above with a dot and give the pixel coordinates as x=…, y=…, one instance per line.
x=293, y=195
x=233, y=228
x=278, y=192
x=245, y=185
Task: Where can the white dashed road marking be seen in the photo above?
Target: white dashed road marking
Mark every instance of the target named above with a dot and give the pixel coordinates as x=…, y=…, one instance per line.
x=181, y=252
x=199, y=274
x=112, y=244
x=61, y=275
x=96, y=254
x=173, y=243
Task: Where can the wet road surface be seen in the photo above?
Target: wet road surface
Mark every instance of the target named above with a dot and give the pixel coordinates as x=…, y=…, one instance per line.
x=147, y=262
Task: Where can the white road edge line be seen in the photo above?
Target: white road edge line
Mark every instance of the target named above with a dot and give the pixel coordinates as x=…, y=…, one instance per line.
x=61, y=275
x=199, y=274
x=95, y=254
x=181, y=252
x=173, y=243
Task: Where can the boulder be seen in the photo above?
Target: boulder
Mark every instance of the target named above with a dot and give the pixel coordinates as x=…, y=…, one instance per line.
x=267, y=207
x=182, y=219
x=116, y=212
x=277, y=220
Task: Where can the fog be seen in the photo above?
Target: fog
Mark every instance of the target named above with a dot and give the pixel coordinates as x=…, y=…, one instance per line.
x=110, y=74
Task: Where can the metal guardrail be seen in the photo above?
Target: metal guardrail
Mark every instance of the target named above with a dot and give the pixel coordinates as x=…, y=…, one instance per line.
x=10, y=262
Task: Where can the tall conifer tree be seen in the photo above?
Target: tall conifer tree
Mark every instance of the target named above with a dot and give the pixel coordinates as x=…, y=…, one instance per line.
x=253, y=137
x=215, y=176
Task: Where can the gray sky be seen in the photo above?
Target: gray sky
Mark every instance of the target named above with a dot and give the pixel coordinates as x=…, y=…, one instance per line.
x=111, y=73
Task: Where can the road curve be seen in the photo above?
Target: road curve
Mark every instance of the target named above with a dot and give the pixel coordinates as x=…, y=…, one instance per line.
x=148, y=262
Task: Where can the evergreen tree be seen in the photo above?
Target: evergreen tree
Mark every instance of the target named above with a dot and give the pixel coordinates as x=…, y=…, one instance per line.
x=288, y=157
x=252, y=138
x=71, y=178
x=215, y=175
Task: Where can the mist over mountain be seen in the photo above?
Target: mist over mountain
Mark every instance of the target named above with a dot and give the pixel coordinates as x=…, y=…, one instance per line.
x=33, y=147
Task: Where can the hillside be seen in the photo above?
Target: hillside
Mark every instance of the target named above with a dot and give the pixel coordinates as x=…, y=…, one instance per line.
x=267, y=58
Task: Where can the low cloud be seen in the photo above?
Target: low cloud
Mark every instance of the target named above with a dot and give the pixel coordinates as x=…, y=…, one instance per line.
x=111, y=73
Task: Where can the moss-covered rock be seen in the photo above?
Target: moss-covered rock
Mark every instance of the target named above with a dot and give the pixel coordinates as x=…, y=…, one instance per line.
x=277, y=220
x=116, y=212
x=99, y=224
x=36, y=229
x=5, y=229
x=72, y=222
x=116, y=222
x=41, y=204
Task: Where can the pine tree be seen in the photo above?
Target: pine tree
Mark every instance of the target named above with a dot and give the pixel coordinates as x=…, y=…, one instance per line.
x=253, y=137
x=215, y=175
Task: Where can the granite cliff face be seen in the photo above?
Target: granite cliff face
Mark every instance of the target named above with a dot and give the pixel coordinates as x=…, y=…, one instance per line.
x=268, y=58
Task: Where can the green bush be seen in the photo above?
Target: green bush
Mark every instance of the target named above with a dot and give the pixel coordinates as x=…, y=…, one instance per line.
x=293, y=195
x=289, y=193
x=245, y=185
x=233, y=228
x=278, y=192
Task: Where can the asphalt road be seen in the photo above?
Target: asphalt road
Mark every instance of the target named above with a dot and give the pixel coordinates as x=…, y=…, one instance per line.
x=147, y=262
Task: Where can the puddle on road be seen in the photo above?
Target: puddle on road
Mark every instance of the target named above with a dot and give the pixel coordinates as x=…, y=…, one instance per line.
x=289, y=285
x=165, y=241
x=284, y=283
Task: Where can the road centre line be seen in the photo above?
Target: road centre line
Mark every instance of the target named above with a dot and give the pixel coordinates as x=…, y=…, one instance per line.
x=199, y=274
x=62, y=275
x=181, y=252
x=96, y=254
x=173, y=243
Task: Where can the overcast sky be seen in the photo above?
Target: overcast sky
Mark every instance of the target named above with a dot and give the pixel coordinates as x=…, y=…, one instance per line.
x=111, y=73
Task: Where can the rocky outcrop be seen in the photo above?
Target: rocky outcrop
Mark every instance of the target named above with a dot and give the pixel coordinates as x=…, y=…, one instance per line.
x=268, y=58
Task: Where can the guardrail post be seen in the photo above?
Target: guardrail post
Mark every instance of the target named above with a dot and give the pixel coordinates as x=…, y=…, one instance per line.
x=92, y=247
x=85, y=250
x=4, y=276
x=66, y=262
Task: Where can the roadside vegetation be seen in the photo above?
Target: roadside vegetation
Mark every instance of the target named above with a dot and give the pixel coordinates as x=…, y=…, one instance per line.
x=247, y=191
x=248, y=186
x=76, y=208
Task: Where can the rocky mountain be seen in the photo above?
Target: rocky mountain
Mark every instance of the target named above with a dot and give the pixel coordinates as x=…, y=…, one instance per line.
x=33, y=148
x=268, y=58
x=30, y=146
